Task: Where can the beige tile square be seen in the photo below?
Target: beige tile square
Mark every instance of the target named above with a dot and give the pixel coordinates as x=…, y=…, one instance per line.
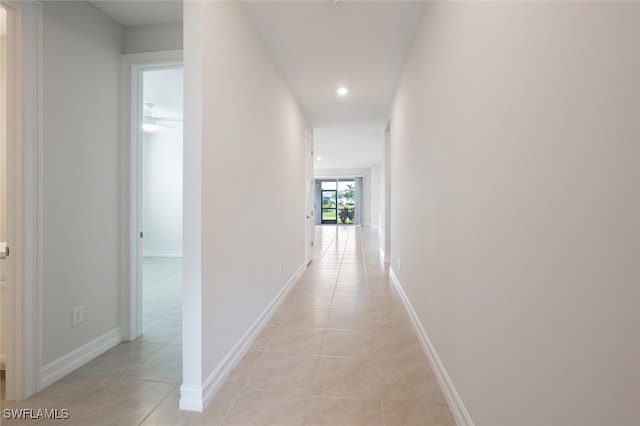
x=408, y=381
x=303, y=317
x=354, y=303
x=164, y=365
x=351, y=283
x=160, y=332
x=123, y=401
x=264, y=338
x=74, y=387
x=241, y=372
x=349, y=319
x=396, y=319
x=383, y=291
x=321, y=411
x=266, y=408
x=297, y=340
x=316, y=292
x=317, y=302
x=352, y=378
x=279, y=316
x=122, y=359
x=400, y=345
x=351, y=343
x=290, y=299
x=352, y=274
x=416, y=415
x=386, y=302
x=351, y=292
x=283, y=373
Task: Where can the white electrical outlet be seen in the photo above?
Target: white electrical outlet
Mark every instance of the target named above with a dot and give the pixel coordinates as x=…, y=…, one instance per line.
x=77, y=315
x=399, y=265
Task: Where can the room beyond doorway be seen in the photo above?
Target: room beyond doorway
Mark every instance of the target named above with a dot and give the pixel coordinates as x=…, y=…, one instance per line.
x=338, y=199
x=162, y=167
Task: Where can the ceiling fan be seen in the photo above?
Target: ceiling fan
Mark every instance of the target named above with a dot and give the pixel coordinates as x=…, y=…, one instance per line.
x=150, y=122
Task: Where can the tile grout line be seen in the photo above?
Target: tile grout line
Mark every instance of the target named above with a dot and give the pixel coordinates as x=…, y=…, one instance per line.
x=373, y=338
x=176, y=387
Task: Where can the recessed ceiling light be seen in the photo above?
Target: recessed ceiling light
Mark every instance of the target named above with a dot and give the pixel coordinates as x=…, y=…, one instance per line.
x=319, y=158
x=342, y=91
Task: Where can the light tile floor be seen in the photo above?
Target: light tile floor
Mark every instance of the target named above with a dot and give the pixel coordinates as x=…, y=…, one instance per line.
x=340, y=350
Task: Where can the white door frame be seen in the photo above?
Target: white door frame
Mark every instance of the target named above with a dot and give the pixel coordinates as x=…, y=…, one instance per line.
x=309, y=223
x=132, y=67
x=22, y=306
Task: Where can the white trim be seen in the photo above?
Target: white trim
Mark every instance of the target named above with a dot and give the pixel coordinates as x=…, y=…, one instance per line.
x=130, y=217
x=384, y=258
x=22, y=320
x=456, y=405
x=162, y=253
x=3, y=357
x=193, y=399
x=75, y=359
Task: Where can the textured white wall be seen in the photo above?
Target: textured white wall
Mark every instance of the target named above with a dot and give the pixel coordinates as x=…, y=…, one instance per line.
x=162, y=193
x=81, y=161
x=250, y=133
x=516, y=206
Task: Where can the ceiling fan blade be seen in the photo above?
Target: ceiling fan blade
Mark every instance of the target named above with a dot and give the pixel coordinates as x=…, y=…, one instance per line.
x=166, y=125
x=179, y=120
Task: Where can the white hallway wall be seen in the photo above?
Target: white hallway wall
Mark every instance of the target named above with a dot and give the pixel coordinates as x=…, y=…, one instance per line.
x=245, y=132
x=515, y=142
x=162, y=189
x=3, y=189
x=81, y=184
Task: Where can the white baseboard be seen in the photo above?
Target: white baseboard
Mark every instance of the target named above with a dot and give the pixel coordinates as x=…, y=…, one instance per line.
x=383, y=257
x=458, y=410
x=3, y=285
x=191, y=399
x=75, y=359
x=162, y=253
x=194, y=399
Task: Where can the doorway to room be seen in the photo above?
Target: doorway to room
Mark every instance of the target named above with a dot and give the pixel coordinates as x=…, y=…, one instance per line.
x=153, y=149
x=161, y=202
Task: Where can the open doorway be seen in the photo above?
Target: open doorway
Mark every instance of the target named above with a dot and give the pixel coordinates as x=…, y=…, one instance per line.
x=161, y=202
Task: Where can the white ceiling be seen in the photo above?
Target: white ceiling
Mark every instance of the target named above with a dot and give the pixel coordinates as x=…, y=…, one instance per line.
x=320, y=46
x=141, y=12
